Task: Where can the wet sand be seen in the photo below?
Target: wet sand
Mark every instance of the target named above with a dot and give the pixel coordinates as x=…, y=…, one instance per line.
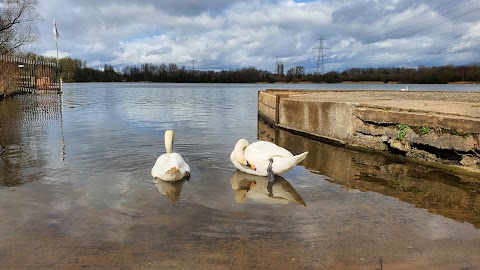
x=349, y=230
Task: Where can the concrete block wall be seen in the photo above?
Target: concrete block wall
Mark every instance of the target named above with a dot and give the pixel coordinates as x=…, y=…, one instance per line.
x=442, y=135
x=324, y=119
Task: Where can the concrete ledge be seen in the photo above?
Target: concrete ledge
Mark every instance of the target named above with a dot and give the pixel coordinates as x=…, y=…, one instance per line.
x=439, y=127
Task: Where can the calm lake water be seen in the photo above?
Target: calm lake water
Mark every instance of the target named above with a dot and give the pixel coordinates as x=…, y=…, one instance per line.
x=76, y=190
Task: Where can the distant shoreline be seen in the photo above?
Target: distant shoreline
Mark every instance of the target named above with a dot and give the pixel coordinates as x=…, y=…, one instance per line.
x=302, y=82
x=364, y=82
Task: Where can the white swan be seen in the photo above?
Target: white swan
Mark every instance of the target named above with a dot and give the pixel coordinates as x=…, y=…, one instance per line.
x=263, y=158
x=404, y=89
x=170, y=166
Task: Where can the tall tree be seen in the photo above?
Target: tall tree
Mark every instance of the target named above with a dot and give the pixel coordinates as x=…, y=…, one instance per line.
x=17, y=24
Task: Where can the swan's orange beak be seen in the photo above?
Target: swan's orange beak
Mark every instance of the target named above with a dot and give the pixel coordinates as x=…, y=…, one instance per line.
x=251, y=166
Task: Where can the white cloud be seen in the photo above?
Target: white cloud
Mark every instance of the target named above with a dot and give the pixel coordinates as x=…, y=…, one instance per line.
x=53, y=53
x=220, y=34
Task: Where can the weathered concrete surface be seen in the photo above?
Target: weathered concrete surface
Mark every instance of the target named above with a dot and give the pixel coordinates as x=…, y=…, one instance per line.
x=439, y=127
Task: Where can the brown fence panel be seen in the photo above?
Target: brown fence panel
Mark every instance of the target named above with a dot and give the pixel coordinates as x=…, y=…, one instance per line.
x=22, y=75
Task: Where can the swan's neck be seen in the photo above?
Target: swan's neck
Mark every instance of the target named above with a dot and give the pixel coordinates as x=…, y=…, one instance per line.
x=239, y=151
x=169, y=142
x=168, y=148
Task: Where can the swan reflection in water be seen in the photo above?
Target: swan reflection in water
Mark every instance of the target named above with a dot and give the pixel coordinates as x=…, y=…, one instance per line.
x=257, y=188
x=170, y=189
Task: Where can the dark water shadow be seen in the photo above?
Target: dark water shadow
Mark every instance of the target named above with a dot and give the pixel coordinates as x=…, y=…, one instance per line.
x=451, y=195
x=24, y=122
x=257, y=188
x=171, y=190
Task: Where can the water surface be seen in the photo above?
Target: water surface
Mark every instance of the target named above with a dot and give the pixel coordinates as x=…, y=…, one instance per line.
x=76, y=190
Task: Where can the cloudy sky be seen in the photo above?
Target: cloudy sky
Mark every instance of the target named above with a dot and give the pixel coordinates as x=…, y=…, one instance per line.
x=231, y=34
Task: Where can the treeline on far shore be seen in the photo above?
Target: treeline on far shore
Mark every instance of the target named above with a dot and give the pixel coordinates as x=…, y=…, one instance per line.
x=75, y=70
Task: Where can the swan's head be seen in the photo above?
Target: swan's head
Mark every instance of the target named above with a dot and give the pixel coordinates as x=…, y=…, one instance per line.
x=239, y=151
x=169, y=137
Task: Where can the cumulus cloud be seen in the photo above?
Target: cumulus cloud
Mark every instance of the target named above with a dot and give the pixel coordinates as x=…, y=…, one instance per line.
x=53, y=53
x=223, y=34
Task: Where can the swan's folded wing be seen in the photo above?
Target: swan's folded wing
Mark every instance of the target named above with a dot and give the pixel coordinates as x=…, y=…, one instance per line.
x=178, y=161
x=161, y=166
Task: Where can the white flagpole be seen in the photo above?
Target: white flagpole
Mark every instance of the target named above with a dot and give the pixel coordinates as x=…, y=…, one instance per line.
x=56, y=45
x=55, y=36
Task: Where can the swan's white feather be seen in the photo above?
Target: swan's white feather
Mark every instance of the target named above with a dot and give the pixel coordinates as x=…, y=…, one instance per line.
x=259, y=153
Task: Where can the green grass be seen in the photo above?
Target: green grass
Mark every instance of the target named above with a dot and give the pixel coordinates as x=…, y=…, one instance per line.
x=402, y=131
x=425, y=130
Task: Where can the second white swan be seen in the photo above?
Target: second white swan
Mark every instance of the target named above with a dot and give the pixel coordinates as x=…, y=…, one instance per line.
x=263, y=158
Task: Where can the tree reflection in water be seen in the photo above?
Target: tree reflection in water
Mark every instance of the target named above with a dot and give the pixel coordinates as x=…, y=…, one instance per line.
x=24, y=122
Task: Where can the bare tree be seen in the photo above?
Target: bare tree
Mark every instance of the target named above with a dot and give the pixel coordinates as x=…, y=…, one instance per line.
x=17, y=24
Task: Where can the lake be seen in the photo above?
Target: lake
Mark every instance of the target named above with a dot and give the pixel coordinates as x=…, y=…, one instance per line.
x=76, y=190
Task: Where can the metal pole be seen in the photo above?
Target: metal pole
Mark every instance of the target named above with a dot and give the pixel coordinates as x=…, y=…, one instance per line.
x=56, y=46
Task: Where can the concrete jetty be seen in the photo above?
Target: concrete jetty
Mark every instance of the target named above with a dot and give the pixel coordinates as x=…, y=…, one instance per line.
x=440, y=128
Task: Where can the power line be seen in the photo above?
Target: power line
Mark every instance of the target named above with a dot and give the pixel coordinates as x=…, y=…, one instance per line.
x=377, y=58
x=410, y=18
x=430, y=20
x=406, y=43
x=429, y=27
x=400, y=22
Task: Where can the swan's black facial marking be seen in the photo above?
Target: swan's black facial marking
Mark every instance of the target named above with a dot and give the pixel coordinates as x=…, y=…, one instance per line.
x=251, y=166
